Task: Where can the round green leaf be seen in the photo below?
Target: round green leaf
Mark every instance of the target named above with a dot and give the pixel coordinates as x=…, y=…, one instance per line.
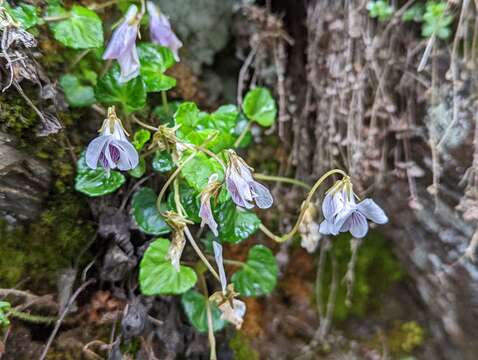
x=162, y=162
x=155, y=60
x=76, y=94
x=158, y=277
x=259, y=106
x=194, y=305
x=82, y=29
x=146, y=214
x=198, y=170
x=140, y=138
x=235, y=224
x=259, y=275
x=139, y=170
x=96, y=182
x=130, y=95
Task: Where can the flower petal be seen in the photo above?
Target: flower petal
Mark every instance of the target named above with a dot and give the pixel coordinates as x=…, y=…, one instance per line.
x=160, y=30
x=129, y=64
x=124, y=37
x=205, y=213
x=239, y=190
x=129, y=157
x=327, y=228
x=356, y=224
x=220, y=265
x=261, y=194
x=94, y=150
x=333, y=204
x=372, y=211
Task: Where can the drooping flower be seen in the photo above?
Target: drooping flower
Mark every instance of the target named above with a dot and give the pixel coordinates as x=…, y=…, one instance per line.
x=343, y=214
x=205, y=211
x=177, y=223
x=160, y=30
x=122, y=45
x=242, y=187
x=232, y=309
x=112, y=148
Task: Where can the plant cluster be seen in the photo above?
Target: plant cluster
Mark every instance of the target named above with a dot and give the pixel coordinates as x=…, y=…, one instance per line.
x=206, y=182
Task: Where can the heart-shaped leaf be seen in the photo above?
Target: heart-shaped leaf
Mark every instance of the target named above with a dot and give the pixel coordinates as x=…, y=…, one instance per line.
x=158, y=277
x=259, y=106
x=198, y=170
x=25, y=14
x=235, y=224
x=82, y=28
x=76, y=94
x=96, y=182
x=259, y=274
x=139, y=170
x=130, y=95
x=194, y=305
x=140, y=138
x=155, y=60
x=146, y=214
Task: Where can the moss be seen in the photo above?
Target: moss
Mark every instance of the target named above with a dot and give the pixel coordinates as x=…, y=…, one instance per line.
x=15, y=115
x=241, y=347
x=405, y=337
x=38, y=251
x=376, y=269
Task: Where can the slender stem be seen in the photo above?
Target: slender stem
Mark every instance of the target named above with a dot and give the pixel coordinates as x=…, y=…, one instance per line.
x=142, y=124
x=282, y=179
x=35, y=319
x=244, y=132
x=210, y=326
x=171, y=178
x=56, y=18
x=304, y=207
x=200, y=254
x=231, y=262
x=102, y=6
x=164, y=99
x=207, y=152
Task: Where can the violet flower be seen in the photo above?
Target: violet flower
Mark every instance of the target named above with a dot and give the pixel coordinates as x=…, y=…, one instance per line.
x=111, y=149
x=122, y=45
x=205, y=211
x=242, y=187
x=343, y=214
x=160, y=30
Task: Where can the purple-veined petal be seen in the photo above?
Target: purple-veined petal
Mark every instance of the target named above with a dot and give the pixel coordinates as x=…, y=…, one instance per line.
x=261, y=194
x=119, y=132
x=129, y=157
x=372, y=211
x=129, y=64
x=333, y=203
x=357, y=224
x=205, y=213
x=220, y=265
x=327, y=228
x=160, y=30
x=94, y=150
x=124, y=36
x=111, y=153
x=239, y=190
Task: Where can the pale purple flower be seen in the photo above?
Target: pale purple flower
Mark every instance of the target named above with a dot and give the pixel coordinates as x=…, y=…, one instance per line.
x=242, y=187
x=205, y=211
x=220, y=265
x=111, y=149
x=122, y=45
x=343, y=214
x=160, y=30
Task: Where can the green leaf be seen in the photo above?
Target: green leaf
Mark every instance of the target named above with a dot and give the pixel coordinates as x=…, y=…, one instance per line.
x=140, y=138
x=380, y=9
x=25, y=14
x=187, y=115
x=96, y=182
x=162, y=162
x=155, y=60
x=167, y=116
x=158, y=277
x=146, y=214
x=198, y=170
x=259, y=275
x=76, y=94
x=194, y=305
x=189, y=200
x=4, y=309
x=259, y=106
x=82, y=29
x=130, y=95
x=235, y=224
x=139, y=170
